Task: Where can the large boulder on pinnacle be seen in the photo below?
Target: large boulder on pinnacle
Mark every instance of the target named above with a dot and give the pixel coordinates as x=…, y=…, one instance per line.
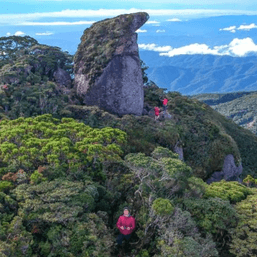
x=107, y=66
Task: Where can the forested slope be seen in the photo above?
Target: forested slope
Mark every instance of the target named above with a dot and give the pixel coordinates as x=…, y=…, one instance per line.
x=68, y=170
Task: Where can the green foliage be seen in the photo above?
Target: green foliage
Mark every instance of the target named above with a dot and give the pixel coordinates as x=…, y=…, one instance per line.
x=143, y=68
x=179, y=236
x=19, y=240
x=163, y=177
x=215, y=216
x=249, y=180
x=227, y=190
x=64, y=144
x=245, y=141
x=144, y=136
x=8, y=208
x=162, y=206
x=143, y=253
x=5, y=186
x=81, y=238
x=152, y=94
x=196, y=187
x=161, y=152
x=55, y=217
x=56, y=201
x=244, y=235
x=37, y=177
x=28, y=72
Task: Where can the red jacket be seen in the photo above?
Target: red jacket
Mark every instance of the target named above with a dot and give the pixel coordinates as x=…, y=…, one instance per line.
x=126, y=222
x=156, y=110
x=165, y=101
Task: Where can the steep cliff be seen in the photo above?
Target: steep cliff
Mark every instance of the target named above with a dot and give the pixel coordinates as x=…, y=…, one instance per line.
x=107, y=65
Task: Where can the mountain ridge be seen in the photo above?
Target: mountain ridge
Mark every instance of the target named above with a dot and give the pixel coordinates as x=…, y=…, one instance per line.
x=196, y=74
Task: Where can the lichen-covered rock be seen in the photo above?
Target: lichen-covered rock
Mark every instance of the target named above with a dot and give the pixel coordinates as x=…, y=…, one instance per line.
x=230, y=172
x=107, y=65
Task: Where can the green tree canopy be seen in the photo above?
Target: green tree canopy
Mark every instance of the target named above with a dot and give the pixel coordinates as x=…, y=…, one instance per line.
x=244, y=235
x=227, y=190
x=67, y=144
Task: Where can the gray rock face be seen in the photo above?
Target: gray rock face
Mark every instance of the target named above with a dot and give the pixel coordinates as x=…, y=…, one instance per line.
x=62, y=77
x=229, y=171
x=119, y=88
x=179, y=151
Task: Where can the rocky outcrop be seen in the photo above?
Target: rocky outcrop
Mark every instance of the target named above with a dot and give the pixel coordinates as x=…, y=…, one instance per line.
x=62, y=77
x=179, y=150
x=229, y=171
x=107, y=66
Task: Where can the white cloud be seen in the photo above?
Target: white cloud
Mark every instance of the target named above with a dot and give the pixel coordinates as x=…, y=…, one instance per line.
x=141, y=30
x=159, y=30
x=241, y=27
x=8, y=34
x=154, y=47
x=56, y=23
x=231, y=29
x=241, y=47
x=19, y=33
x=16, y=19
x=44, y=34
x=190, y=49
x=174, y=19
x=152, y=22
x=237, y=47
x=247, y=27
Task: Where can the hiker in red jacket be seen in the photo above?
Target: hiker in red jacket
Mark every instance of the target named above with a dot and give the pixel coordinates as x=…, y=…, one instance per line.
x=164, y=102
x=157, y=112
x=126, y=224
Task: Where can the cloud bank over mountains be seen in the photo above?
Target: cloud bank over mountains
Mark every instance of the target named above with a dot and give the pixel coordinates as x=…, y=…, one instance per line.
x=29, y=18
x=237, y=48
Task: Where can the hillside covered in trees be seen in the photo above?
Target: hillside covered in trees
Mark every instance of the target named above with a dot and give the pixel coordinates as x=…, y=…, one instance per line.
x=67, y=170
x=241, y=107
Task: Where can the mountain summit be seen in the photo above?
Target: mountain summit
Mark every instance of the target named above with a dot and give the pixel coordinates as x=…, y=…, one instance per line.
x=107, y=65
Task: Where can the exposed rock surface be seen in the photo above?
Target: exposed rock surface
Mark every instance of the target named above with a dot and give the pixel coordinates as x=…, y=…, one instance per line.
x=107, y=65
x=229, y=171
x=179, y=150
x=62, y=77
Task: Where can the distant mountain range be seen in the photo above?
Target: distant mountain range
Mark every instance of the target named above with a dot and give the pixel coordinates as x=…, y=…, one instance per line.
x=196, y=74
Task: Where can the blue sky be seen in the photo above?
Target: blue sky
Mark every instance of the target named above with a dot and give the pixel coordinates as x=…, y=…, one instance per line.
x=32, y=6
x=29, y=6
x=62, y=22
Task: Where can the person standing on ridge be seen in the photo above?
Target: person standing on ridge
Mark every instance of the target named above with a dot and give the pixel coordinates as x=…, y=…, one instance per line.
x=157, y=112
x=126, y=225
x=164, y=102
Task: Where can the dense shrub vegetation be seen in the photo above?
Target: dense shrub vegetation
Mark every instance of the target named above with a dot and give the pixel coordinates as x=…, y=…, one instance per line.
x=68, y=170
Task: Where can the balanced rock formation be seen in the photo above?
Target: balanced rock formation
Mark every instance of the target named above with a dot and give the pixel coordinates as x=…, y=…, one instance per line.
x=107, y=66
x=230, y=172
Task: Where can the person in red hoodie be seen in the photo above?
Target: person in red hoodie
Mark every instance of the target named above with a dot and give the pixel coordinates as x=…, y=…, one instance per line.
x=157, y=112
x=164, y=102
x=126, y=224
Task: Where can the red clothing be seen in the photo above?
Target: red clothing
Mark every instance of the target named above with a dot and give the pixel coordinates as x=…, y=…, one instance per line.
x=126, y=222
x=165, y=101
x=157, y=111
